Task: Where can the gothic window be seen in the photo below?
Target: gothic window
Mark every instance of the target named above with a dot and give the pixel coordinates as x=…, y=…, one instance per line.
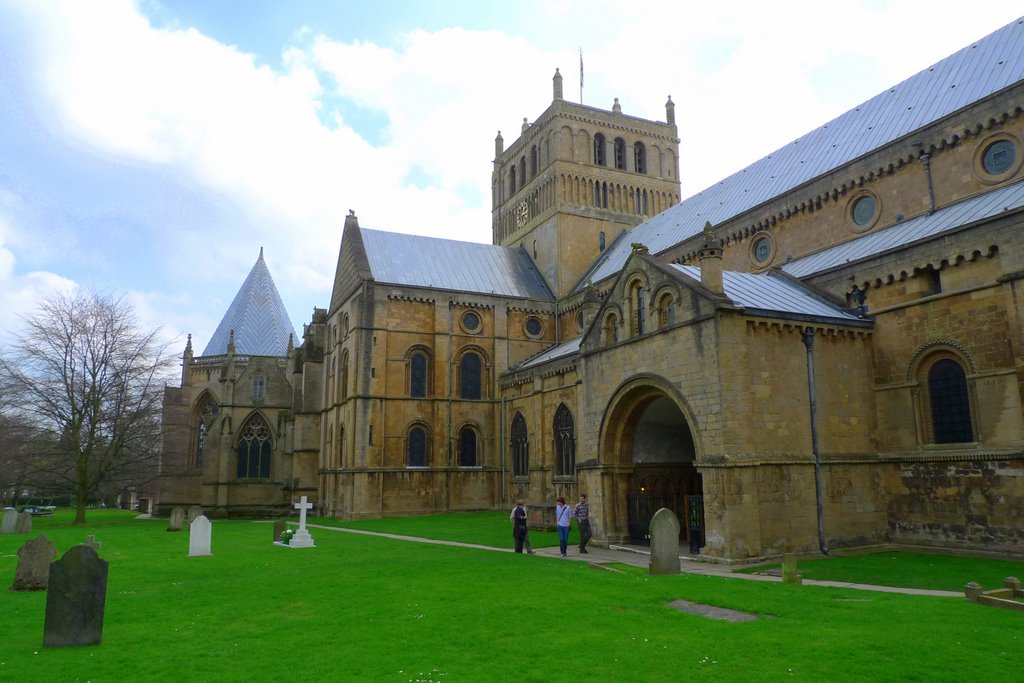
x=637, y=301
x=599, y=159
x=200, y=443
x=416, y=447
x=343, y=380
x=520, y=447
x=254, y=448
x=467, y=447
x=565, y=442
x=259, y=385
x=204, y=417
x=620, y=154
x=640, y=158
x=949, y=402
x=419, y=374
x=471, y=377
x=332, y=369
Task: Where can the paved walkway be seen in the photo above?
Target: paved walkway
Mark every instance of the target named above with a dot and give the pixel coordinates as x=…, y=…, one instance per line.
x=639, y=556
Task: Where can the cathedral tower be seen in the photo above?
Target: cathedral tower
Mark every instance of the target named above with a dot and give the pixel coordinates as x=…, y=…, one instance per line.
x=576, y=178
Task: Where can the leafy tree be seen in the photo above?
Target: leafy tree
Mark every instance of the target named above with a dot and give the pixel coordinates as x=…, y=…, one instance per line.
x=89, y=382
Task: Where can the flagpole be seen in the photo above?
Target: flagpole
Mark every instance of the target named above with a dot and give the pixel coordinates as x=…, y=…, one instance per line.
x=581, y=74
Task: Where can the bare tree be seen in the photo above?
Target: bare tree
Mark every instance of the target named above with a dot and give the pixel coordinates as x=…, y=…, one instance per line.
x=90, y=384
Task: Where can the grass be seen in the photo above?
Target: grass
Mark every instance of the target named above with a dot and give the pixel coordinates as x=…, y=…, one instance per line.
x=367, y=609
x=908, y=570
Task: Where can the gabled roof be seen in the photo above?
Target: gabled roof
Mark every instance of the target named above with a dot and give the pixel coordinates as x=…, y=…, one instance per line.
x=975, y=72
x=774, y=295
x=257, y=317
x=967, y=212
x=437, y=263
x=553, y=353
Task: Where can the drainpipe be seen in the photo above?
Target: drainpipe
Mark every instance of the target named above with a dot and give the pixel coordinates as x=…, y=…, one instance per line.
x=926, y=159
x=808, y=337
x=501, y=440
x=448, y=441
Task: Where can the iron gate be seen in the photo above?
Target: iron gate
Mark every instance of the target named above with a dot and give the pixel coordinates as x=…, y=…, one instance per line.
x=641, y=507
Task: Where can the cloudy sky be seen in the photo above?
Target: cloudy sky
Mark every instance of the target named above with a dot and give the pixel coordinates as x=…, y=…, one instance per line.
x=151, y=148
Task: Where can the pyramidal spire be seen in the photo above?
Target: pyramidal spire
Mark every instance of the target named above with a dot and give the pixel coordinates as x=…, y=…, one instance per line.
x=257, y=318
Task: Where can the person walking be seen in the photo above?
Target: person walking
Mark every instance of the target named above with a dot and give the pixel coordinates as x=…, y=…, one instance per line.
x=581, y=513
x=526, y=541
x=562, y=521
x=519, y=524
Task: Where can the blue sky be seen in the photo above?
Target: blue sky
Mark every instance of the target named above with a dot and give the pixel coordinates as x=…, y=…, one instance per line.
x=151, y=148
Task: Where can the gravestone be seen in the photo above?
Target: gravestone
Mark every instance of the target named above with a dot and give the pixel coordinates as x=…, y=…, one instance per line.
x=302, y=539
x=34, y=560
x=664, y=542
x=193, y=513
x=280, y=526
x=76, y=599
x=200, y=533
x=24, y=523
x=10, y=521
x=789, y=571
x=91, y=541
x=176, y=520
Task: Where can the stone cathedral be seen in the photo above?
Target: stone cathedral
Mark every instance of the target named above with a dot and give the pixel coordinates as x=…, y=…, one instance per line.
x=824, y=349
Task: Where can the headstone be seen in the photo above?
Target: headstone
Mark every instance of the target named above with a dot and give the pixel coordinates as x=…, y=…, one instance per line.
x=34, y=560
x=24, y=523
x=177, y=519
x=279, y=528
x=664, y=542
x=76, y=599
x=193, y=513
x=200, y=532
x=10, y=521
x=790, y=574
x=93, y=543
x=302, y=539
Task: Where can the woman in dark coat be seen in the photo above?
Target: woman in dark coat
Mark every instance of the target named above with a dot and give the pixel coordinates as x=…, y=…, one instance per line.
x=519, y=524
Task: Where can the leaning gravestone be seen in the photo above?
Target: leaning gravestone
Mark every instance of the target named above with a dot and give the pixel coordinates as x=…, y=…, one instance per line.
x=176, y=520
x=664, y=542
x=24, y=523
x=10, y=521
x=199, y=537
x=76, y=599
x=34, y=560
x=193, y=513
x=280, y=526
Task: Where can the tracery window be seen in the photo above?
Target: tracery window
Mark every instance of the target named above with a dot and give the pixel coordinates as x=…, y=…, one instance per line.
x=467, y=447
x=565, y=442
x=520, y=447
x=416, y=447
x=204, y=417
x=254, y=448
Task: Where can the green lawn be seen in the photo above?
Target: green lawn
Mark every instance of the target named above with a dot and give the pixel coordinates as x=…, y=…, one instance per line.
x=366, y=608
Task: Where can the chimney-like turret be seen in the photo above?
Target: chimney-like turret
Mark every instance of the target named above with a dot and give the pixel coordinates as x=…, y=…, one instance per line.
x=710, y=256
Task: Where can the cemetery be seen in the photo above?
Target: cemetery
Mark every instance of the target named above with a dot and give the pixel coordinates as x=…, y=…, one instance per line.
x=218, y=601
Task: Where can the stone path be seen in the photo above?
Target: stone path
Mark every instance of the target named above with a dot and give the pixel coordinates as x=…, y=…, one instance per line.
x=639, y=557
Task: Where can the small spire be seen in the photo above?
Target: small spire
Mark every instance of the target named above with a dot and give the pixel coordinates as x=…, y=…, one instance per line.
x=261, y=254
x=231, y=342
x=188, y=346
x=670, y=111
x=291, y=342
x=616, y=108
x=499, y=145
x=557, y=84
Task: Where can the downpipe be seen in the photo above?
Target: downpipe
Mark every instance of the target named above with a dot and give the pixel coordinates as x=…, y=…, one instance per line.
x=808, y=338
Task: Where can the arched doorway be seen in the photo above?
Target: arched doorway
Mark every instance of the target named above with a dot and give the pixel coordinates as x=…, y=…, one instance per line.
x=649, y=436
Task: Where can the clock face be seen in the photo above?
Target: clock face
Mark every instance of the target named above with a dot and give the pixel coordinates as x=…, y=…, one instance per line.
x=522, y=214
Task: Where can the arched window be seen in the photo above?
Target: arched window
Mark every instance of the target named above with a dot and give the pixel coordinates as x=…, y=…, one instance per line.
x=343, y=380
x=533, y=161
x=520, y=447
x=419, y=367
x=512, y=180
x=640, y=158
x=467, y=447
x=610, y=329
x=416, y=447
x=666, y=310
x=339, y=459
x=471, y=377
x=565, y=442
x=254, y=447
x=522, y=171
x=600, y=241
x=620, y=154
x=259, y=385
x=205, y=412
x=637, y=302
x=329, y=448
x=599, y=159
x=950, y=403
x=332, y=368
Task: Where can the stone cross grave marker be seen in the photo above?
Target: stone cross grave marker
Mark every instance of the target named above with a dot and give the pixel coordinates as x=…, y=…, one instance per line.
x=200, y=533
x=664, y=542
x=76, y=599
x=302, y=539
x=24, y=523
x=34, y=560
x=193, y=513
x=10, y=521
x=176, y=520
x=279, y=528
x=93, y=543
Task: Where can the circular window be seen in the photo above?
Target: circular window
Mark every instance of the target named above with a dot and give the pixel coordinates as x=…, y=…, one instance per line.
x=471, y=321
x=997, y=158
x=762, y=249
x=864, y=210
x=533, y=326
